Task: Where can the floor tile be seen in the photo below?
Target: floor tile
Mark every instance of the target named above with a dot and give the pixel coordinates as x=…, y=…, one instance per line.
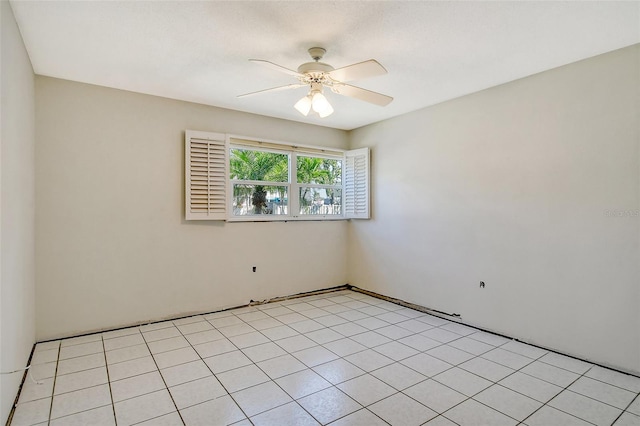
x=97, y=337
x=302, y=383
x=248, y=339
x=604, y=392
x=568, y=363
x=330, y=320
x=196, y=392
x=44, y=371
x=123, y=342
x=450, y=354
x=315, y=313
x=32, y=412
x=415, y=325
x=315, y=356
x=551, y=374
x=440, y=335
x=472, y=346
x=290, y=414
x=585, y=408
x=306, y=326
x=547, y=416
x=328, y=405
x=136, y=386
x=80, y=400
x=472, y=413
x=392, y=317
x=344, y=346
x=163, y=333
x=336, y=309
x=524, y=349
x=396, y=351
x=398, y=376
x=353, y=315
x=295, y=343
x=627, y=419
x=489, y=338
x=300, y=306
x=280, y=332
x=281, y=366
x=530, y=386
x=219, y=314
x=369, y=360
x=361, y=417
x=426, y=364
x=635, y=406
x=349, y=329
x=324, y=335
x=143, y=407
x=486, y=369
x=433, y=320
x=621, y=380
x=253, y=316
x=263, y=352
x=125, y=369
x=366, y=389
x=261, y=398
x=80, y=380
x=128, y=353
x=226, y=321
x=81, y=350
x=45, y=346
x=394, y=332
x=440, y=421
x=371, y=323
x=291, y=318
x=185, y=372
x=400, y=410
x=265, y=324
x=276, y=311
x=31, y=391
x=508, y=402
x=338, y=371
x=102, y=416
x=434, y=395
x=86, y=362
x=241, y=378
x=167, y=345
x=217, y=347
x=506, y=358
x=370, y=339
x=236, y=330
x=460, y=329
x=227, y=361
x=176, y=357
x=462, y=381
x=155, y=326
x=419, y=342
x=188, y=320
x=217, y=412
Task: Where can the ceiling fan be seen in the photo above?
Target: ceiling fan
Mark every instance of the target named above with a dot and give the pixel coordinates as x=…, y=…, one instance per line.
x=318, y=75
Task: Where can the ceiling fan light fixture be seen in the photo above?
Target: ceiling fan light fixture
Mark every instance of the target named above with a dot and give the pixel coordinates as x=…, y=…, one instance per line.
x=304, y=105
x=327, y=112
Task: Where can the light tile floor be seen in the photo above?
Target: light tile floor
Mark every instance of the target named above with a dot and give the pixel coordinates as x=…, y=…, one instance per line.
x=341, y=358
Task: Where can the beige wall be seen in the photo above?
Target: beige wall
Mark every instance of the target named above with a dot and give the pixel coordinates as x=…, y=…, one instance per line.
x=510, y=186
x=113, y=247
x=17, y=196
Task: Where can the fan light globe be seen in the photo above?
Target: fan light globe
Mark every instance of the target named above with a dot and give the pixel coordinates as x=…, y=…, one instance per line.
x=303, y=105
x=321, y=105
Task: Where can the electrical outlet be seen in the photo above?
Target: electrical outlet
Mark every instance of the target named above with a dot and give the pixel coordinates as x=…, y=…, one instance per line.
x=254, y=269
x=481, y=284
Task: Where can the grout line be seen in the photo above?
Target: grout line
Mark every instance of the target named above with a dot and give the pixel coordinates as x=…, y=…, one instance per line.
x=113, y=406
x=163, y=381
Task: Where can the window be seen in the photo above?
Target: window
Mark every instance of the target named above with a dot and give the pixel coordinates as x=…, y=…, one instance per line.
x=235, y=179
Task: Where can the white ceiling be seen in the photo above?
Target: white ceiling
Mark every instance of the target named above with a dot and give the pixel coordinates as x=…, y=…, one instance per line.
x=198, y=51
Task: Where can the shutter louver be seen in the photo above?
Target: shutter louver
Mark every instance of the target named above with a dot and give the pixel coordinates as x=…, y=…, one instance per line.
x=206, y=176
x=356, y=184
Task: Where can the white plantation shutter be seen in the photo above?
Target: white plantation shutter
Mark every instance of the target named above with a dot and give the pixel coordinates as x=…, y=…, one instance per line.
x=206, y=165
x=356, y=184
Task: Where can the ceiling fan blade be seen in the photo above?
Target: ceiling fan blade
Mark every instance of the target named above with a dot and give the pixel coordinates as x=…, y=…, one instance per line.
x=277, y=67
x=362, y=94
x=370, y=68
x=273, y=89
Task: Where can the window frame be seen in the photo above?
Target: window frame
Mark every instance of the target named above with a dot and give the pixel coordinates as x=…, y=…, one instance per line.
x=208, y=190
x=293, y=186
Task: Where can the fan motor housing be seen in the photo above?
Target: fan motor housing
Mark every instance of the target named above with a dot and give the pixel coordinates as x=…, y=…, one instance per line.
x=314, y=67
